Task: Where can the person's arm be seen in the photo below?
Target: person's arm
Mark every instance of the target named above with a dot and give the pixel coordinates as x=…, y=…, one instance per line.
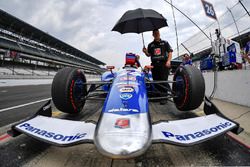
x=170, y=56
x=168, y=63
x=145, y=50
x=170, y=51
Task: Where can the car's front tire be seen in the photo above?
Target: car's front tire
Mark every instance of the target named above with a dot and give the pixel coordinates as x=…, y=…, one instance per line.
x=68, y=90
x=189, y=88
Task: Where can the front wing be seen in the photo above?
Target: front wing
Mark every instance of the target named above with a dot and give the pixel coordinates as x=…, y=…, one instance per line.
x=184, y=132
x=191, y=131
x=57, y=131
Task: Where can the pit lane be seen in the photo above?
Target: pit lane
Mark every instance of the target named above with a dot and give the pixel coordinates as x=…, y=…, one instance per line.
x=25, y=151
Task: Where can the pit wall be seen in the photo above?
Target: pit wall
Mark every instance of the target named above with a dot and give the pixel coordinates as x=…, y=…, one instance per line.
x=232, y=86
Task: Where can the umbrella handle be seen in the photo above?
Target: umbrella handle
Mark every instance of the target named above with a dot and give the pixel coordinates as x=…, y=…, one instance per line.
x=143, y=40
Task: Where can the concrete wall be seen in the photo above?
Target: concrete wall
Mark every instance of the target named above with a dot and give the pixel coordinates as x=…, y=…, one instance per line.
x=25, y=77
x=232, y=86
x=88, y=76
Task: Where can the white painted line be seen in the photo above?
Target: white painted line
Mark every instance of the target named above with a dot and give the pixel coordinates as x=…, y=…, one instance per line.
x=22, y=105
x=24, y=82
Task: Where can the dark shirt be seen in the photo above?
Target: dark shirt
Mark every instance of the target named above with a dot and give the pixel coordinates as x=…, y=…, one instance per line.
x=159, y=50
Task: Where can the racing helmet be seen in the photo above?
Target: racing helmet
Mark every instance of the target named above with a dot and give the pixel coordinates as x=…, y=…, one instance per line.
x=130, y=59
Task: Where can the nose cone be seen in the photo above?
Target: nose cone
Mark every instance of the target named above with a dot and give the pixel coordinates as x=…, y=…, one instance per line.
x=123, y=137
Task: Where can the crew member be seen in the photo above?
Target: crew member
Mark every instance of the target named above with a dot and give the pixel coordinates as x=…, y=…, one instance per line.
x=160, y=53
x=186, y=59
x=246, y=55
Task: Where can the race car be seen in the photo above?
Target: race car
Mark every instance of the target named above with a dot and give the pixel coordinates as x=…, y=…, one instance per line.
x=124, y=129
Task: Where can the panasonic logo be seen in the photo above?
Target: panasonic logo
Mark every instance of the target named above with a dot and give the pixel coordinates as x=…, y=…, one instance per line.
x=198, y=134
x=51, y=135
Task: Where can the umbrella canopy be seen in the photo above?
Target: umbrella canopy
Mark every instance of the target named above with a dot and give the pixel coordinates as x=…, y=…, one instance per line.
x=140, y=20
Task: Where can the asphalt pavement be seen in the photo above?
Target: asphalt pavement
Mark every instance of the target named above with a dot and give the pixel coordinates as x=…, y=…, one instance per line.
x=19, y=98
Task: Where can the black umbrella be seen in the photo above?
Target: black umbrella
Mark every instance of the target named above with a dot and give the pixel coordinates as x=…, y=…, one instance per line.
x=139, y=21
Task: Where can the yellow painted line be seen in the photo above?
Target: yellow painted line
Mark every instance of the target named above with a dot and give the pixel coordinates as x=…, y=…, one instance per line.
x=56, y=113
x=200, y=113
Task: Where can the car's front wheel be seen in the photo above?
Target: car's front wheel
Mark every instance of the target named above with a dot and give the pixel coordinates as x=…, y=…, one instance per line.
x=189, y=88
x=69, y=89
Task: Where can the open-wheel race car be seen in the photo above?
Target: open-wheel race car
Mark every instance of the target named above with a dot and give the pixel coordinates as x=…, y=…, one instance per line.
x=124, y=128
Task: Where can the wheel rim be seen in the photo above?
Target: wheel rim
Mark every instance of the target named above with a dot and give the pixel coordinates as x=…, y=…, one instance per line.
x=79, y=92
x=179, y=88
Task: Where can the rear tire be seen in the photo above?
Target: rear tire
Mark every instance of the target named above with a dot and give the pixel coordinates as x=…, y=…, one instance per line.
x=68, y=90
x=189, y=88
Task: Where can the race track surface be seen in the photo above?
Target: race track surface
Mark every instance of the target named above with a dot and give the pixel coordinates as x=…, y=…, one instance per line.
x=25, y=151
x=19, y=95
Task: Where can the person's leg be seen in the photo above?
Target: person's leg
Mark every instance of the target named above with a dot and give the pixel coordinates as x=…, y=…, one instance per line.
x=163, y=73
x=166, y=86
x=166, y=76
x=156, y=74
x=160, y=73
x=166, y=73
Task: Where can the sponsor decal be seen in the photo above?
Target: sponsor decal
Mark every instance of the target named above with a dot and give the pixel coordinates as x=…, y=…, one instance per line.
x=50, y=135
x=123, y=110
x=157, y=51
x=126, y=83
x=202, y=133
x=133, y=73
x=126, y=96
x=128, y=78
x=127, y=89
x=122, y=123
